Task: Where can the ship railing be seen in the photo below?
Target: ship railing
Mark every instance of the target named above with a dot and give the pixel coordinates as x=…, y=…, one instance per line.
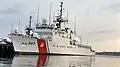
x=85, y=46
x=21, y=35
x=76, y=43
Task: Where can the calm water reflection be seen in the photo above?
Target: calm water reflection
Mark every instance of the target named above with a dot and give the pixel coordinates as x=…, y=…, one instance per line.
x=60, y=61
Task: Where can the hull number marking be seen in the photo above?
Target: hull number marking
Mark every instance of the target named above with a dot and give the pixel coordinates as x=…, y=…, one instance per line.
x=28, y=43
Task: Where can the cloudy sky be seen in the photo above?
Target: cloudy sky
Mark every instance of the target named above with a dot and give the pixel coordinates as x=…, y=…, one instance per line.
x=98, y=21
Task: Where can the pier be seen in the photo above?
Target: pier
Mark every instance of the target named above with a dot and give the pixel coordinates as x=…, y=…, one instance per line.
x=6, y=49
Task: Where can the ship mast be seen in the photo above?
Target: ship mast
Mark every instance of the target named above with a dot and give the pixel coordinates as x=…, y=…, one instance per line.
x=30, y=22
x=59, y=18
x=67, y=20
x=29, y=28
x=61, y=9
x=75, y=26
x=38, y=15
x=50, y=13
x=19, y=26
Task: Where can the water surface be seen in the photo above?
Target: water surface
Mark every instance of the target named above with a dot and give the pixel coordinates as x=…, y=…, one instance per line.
x=60, y=61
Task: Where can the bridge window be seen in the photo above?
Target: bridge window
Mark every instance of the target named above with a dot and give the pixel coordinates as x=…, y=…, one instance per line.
x=45, y=33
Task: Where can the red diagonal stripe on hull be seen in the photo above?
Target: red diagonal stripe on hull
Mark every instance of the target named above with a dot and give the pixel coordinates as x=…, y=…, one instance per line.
x=42, y=46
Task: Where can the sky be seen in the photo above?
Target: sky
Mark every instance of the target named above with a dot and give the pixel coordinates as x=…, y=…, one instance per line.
x=97, y=21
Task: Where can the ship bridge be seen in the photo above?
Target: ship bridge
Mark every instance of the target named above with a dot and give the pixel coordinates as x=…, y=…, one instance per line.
x=43, y=29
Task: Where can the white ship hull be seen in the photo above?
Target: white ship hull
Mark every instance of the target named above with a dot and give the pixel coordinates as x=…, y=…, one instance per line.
x=23, y=44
